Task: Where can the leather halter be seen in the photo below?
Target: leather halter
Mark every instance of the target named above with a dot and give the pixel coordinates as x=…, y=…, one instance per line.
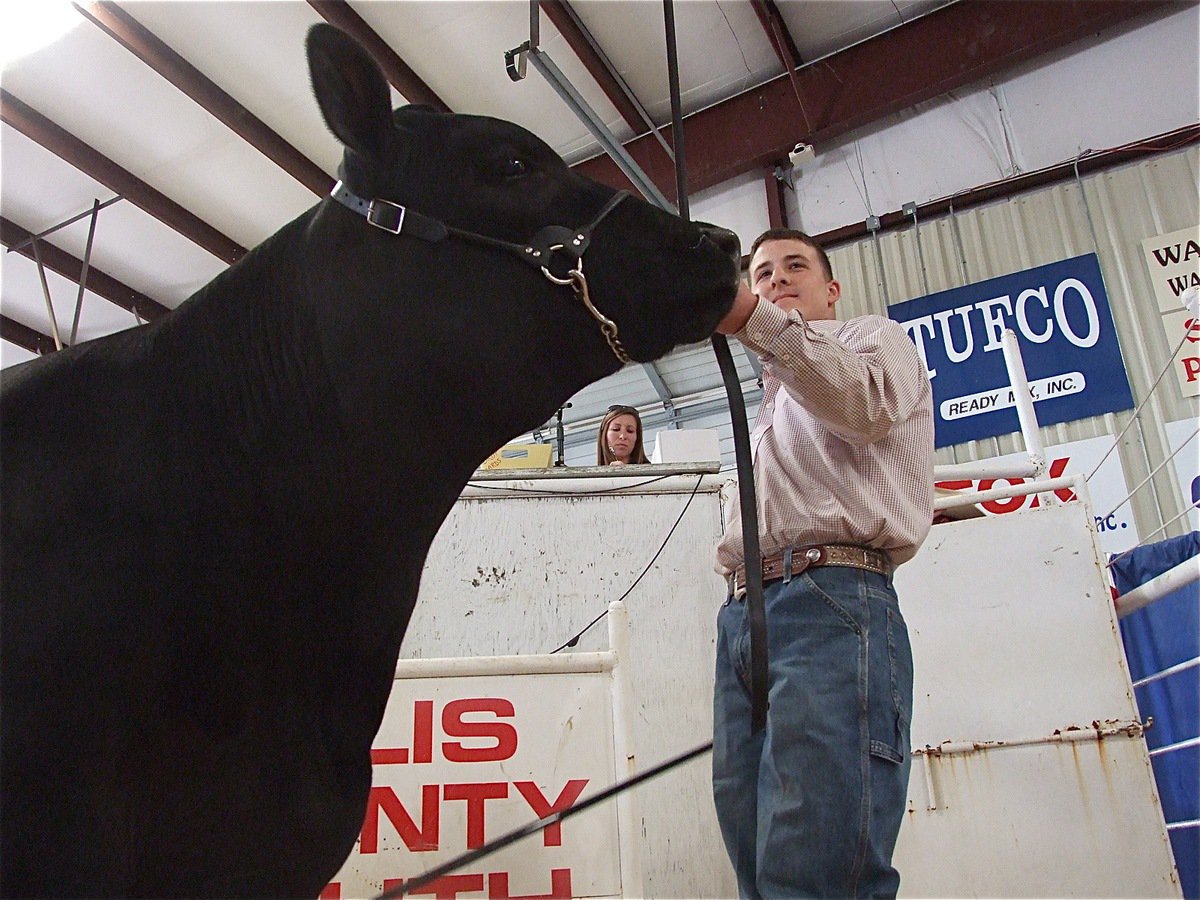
x=538, y=251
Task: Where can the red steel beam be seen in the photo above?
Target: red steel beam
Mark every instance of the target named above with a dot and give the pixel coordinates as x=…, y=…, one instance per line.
x=952, y=47
x=71, y=267
x=151, y=50
x=99, y=167
x=338, y=13
x=23, y=336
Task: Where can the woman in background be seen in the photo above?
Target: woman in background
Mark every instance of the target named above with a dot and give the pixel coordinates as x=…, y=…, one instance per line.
x=619, y=441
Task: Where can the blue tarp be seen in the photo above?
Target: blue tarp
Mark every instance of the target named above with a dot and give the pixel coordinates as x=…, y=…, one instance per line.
x=1164, y=634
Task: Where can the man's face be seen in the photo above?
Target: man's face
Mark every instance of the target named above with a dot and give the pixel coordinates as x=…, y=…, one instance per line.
x=788, y=273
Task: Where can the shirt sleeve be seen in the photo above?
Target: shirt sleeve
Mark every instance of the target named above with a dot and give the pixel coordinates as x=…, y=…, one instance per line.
x=858, y=378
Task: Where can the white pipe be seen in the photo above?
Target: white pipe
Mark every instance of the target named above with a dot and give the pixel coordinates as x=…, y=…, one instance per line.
x=1171, y=580
x=1168, y=672
x=527, y=664
x=630, y=840
x=985, y=468
x=1181, y=745
x=1010, y=490
x=1131, y=728
x=649, y=479
x=1026, y=414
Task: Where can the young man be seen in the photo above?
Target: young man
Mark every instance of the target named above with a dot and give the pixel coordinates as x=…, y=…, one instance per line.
x=843, y=467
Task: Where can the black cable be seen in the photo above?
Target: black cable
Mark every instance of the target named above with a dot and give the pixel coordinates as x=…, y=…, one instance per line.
x=575, y=640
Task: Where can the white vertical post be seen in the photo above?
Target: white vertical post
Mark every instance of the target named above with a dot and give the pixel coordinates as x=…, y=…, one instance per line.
x=627, y=818
x=1026, y=414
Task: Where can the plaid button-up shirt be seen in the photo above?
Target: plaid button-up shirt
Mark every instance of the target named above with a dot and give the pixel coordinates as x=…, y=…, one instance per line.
x=843, y=443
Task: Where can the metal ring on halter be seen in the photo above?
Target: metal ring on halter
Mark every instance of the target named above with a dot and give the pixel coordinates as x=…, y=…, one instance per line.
x=570, y=275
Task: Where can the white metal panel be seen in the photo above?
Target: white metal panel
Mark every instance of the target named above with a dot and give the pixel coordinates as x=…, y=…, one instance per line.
x=1146, y=75
x=819, y=27
x=523, y=575
x=1004, y=653
x=1013, y=637
x=269, y=77
x=102, y=94
x=476, y=82
x=739, y=204
x=736, y=53
x=11, y=354
x=1114, y=87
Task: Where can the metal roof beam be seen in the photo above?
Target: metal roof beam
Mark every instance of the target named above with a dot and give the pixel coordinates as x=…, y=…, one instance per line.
x=950, y=48
x=338, y=13
x=71, y=267
x=99, y=167
x=155, y=53
x=25, y=337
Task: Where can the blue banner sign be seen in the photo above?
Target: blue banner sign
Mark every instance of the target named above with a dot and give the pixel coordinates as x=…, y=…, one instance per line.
x=1067, y=338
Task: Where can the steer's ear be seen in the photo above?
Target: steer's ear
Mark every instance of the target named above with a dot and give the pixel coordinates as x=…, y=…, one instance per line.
x=351, y=91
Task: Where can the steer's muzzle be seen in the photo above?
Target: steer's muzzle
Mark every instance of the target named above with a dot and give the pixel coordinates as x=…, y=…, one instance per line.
x=725, y=239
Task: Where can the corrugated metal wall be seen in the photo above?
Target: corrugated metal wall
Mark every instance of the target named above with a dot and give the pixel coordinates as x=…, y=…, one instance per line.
x=1108, y=213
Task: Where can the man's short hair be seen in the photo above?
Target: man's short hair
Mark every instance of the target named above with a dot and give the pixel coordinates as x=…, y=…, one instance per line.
x=792, y=234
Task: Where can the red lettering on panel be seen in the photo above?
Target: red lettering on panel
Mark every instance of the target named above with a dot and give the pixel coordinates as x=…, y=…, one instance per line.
x=551, y=834
x=476, y=796
x=416, y=840
x=504, y=734
x=560, y=887
x=447, y=887
x=423, y=731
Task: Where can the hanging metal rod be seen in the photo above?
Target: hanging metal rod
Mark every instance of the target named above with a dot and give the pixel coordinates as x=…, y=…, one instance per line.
x=514, y=61
x=90, y=211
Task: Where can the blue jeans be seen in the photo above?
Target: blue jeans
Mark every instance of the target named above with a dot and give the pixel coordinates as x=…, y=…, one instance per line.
x=811, y=805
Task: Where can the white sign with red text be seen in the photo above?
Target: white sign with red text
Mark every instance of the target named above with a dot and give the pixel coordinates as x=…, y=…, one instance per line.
x=1173, y=261
x=460, y=761
x=1114, y=523
x=1183, y=338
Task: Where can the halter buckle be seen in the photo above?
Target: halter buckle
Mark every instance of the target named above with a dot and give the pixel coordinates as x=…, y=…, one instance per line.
x=383, y=213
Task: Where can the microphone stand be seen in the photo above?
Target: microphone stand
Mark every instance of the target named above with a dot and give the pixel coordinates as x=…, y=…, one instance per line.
x=561, y=438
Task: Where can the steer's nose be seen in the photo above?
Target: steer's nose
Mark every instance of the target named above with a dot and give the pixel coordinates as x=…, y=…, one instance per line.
x=725, y=239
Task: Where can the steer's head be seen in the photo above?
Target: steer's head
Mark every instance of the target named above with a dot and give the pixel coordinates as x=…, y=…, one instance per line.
x=661, y=280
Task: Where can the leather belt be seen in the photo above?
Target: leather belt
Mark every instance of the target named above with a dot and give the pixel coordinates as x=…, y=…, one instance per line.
x=774, y=567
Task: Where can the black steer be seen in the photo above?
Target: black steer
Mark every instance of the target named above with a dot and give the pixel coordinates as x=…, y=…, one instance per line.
x=214, y=526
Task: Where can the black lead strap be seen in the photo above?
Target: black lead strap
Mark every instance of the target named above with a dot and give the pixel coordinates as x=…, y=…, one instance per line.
x=748, y=504
x=755, y=610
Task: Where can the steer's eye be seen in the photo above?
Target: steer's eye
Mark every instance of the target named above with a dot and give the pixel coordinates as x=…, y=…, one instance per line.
x=514, y=167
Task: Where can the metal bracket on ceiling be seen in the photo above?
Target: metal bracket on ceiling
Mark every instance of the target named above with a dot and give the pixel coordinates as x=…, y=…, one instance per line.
x=33, y=241
x=514, y=62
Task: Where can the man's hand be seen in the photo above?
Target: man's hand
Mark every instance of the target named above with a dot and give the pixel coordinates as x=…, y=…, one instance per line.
x=743, y=305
